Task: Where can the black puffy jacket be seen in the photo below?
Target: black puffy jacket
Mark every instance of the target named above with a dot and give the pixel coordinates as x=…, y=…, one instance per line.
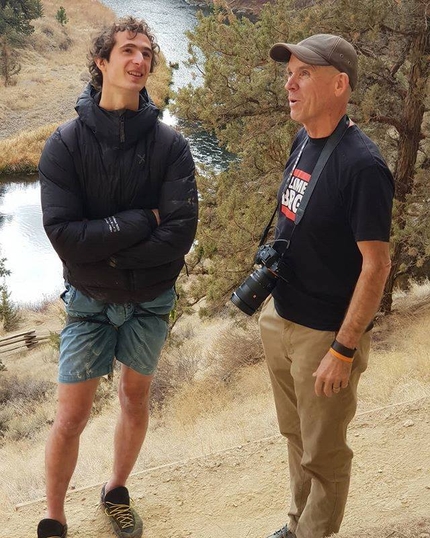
x=101, y=174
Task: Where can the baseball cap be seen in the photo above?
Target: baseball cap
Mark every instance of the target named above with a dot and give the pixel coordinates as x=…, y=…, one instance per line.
x=321, y=49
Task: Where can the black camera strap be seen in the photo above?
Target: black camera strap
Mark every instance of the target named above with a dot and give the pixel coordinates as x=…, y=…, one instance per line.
x=328, y=149
x=325, y=154
x=296, y=162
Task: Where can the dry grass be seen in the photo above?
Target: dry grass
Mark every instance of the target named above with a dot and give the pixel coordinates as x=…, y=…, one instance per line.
x=399, y=364
x=177, y=368
x=17, y=396
x=53, y=75
x=214, y=411
x=236, y=347
x=20, y=154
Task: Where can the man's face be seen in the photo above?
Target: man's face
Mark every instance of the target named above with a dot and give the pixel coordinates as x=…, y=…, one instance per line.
x=311, y=92
x=129, y=64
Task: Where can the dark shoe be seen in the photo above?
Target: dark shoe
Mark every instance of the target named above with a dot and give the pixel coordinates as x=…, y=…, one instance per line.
x=51, y=528
x=283, y=533
x=124, y=520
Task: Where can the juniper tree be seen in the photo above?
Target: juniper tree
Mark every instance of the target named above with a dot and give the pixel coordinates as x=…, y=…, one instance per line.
x=393, y=40
x=9, y=313
x=243, y=102
x=9, y=65
x=61, y=16
x=16, y=16
x=15, y=19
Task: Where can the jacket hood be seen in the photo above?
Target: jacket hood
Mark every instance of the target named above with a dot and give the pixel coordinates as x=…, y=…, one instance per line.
x=118, y=128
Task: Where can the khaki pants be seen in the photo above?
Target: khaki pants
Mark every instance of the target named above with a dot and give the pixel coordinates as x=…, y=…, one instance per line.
x=319, y=457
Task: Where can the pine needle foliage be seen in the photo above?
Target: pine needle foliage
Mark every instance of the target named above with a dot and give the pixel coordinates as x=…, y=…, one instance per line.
x=243, y=102
x=16, y=17
x=61, y=16
x=9, y=312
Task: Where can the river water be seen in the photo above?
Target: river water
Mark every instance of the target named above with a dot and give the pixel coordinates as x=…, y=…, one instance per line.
x=36, y=272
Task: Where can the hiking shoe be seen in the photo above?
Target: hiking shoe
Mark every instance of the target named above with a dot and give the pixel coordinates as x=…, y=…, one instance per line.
x=124, y=520
x=283, y=533
x=51, y=528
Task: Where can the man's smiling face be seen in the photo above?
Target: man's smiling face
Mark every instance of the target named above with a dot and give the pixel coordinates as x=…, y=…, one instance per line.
x=129, y=64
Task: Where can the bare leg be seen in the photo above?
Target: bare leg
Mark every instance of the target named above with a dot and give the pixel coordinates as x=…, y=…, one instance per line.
x=132, y=424
x=73, y=410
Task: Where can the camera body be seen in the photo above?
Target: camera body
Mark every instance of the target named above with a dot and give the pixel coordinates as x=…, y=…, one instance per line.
x=254, y=290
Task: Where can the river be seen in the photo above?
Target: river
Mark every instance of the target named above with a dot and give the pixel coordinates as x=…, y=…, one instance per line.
x=36, y=273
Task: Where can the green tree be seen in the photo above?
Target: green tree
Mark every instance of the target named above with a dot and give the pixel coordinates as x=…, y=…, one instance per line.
x=243, y=102
x=9, y=313
x=393, y=39
x=3, y=272
x=16, y=16
x=61, y=16
x=9, y=65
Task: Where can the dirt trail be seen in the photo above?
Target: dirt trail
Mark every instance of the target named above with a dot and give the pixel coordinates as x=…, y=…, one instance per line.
x=243, y=491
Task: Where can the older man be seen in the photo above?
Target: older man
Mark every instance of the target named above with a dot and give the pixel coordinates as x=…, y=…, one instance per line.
x=316, y=326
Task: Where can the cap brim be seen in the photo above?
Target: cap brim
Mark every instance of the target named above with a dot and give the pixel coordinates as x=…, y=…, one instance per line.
x=281, y=52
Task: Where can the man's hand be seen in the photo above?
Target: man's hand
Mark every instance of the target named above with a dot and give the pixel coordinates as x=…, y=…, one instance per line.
x=157, y=216
x=332, y=373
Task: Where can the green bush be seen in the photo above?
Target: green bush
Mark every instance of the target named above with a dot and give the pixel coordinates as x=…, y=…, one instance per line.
x=61, y=16
x=9, y=313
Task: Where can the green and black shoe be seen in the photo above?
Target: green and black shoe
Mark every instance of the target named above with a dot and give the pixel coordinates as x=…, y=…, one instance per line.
x=125, y=522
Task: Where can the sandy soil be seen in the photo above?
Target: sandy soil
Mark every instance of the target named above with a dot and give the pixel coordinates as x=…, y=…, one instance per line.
x=243, y=491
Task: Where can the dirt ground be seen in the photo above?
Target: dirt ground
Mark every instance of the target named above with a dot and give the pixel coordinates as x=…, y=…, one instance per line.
x=243, y=491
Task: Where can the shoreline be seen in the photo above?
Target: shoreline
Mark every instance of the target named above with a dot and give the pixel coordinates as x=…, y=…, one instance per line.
x=53, y=75
x=245, y=7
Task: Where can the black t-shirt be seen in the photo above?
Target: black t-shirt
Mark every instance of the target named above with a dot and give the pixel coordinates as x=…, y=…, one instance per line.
x=352, y=202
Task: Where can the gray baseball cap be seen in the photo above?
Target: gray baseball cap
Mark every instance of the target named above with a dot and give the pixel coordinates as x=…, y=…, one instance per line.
x=321, y=49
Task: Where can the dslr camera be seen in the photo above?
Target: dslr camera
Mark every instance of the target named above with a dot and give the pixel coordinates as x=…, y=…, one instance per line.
x=252, y=292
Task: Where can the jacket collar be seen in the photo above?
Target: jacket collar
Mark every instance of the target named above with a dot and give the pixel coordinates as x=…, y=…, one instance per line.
x=117, y=128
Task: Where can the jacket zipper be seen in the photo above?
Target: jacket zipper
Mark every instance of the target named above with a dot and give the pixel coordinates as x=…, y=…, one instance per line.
x=121, y=130
x=131, y=280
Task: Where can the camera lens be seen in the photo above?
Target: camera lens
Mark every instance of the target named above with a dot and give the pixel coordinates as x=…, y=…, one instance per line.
x=249, y=296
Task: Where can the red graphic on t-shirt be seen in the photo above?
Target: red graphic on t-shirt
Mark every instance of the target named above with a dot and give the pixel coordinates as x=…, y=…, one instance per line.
x=292, y=197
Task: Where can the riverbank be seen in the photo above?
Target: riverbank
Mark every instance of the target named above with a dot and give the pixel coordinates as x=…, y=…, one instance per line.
x=240, y=6
x=53, y=74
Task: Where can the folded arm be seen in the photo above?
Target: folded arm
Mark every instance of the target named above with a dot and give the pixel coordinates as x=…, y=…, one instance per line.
x=178, y=208
x=73, y=236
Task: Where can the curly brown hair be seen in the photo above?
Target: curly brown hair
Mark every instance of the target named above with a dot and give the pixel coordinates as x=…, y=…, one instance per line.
x=103, y=44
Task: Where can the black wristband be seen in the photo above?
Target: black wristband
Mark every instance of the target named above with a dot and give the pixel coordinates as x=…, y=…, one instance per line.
x=343, y=350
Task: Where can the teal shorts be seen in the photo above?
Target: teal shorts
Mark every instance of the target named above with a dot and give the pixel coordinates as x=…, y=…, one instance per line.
x=97, y=332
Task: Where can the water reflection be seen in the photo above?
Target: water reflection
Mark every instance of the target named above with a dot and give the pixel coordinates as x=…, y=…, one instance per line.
x=204, y=146
x=36, y=271
x=169, y=21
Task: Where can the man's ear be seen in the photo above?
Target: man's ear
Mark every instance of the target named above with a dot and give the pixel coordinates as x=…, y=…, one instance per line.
x=342, y=84
x=100, y=63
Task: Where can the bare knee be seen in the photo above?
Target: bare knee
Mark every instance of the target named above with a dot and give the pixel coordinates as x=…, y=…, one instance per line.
x=68, y=425
x=134, y=400
x=74, y=407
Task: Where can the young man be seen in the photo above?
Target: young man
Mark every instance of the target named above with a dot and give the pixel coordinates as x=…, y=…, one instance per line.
x=315, y=327
x=120, y=208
